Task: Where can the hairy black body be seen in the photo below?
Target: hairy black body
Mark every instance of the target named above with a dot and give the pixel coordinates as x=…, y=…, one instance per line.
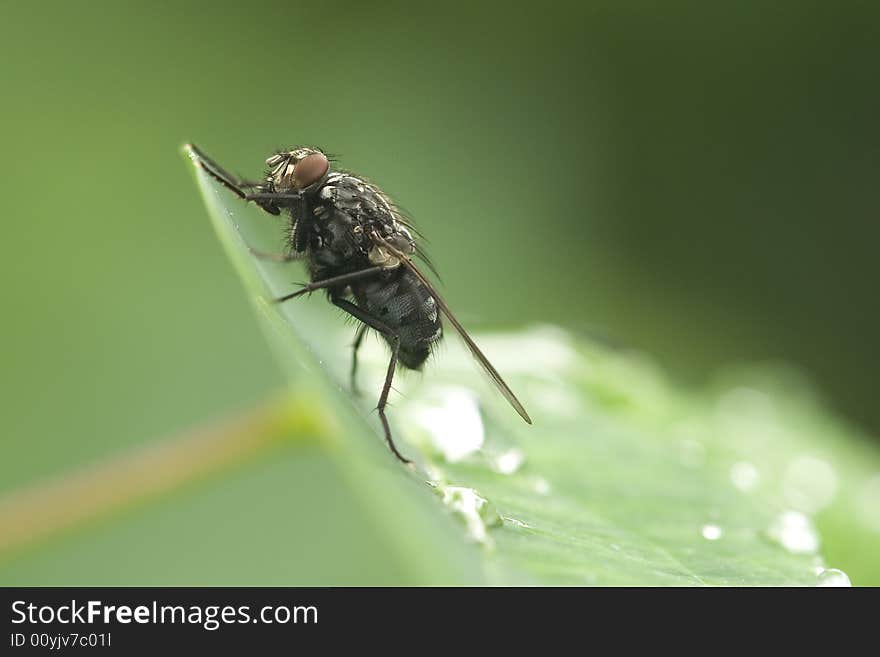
x=358, y=249
x=401, y=301
x=334, y=230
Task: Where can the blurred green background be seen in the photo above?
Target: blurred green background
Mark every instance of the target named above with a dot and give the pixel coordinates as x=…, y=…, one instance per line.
x=696, y=181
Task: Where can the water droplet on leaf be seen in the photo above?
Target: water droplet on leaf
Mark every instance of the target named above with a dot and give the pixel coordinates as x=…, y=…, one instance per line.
x=450, y=419
x=712, y=532
x=508, y=461
x=795, y=532
x=474, y=509
x=833, y=577
x=541, y=486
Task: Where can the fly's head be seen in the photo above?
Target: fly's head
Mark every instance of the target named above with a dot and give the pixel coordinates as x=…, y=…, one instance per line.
x=302, y=169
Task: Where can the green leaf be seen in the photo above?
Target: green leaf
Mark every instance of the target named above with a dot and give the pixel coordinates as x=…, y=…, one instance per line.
x=623, y=479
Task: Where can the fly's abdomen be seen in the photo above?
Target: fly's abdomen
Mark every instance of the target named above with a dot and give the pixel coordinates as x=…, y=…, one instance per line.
x=402, y=303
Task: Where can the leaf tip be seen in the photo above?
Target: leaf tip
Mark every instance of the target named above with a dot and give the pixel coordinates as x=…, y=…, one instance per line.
x=191, y=151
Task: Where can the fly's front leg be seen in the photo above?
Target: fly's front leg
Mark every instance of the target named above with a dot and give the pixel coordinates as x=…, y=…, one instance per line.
x=231, y=182
x=394, y=339
x=236, y=184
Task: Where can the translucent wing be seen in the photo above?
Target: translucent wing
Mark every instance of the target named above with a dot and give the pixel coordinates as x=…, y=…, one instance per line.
x=471, y=345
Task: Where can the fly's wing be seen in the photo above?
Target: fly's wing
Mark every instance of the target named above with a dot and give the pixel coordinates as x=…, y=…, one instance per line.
x=471, y=345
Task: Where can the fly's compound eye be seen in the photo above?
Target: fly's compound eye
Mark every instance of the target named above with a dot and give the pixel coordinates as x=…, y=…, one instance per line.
x=310, y=170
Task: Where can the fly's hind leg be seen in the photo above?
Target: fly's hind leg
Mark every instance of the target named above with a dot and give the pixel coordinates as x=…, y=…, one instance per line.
x=358, y=339
x=394, y=339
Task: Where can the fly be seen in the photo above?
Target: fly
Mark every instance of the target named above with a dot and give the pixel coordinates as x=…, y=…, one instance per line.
x=358, y=248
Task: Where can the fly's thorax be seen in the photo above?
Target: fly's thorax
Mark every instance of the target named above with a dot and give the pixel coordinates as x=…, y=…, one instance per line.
x=355, y=196
x=348, y=204
x=335, y=241
x=380, y=255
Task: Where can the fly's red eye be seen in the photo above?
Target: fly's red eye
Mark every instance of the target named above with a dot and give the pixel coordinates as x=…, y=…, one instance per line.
x=310, y=169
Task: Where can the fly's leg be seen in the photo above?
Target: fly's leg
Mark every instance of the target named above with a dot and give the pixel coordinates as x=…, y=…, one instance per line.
x=358, y=338
x=333, y=281
x=394, y=339
x=263, y=195
x=275, y=257
x=220, y=174
x=234, y=183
